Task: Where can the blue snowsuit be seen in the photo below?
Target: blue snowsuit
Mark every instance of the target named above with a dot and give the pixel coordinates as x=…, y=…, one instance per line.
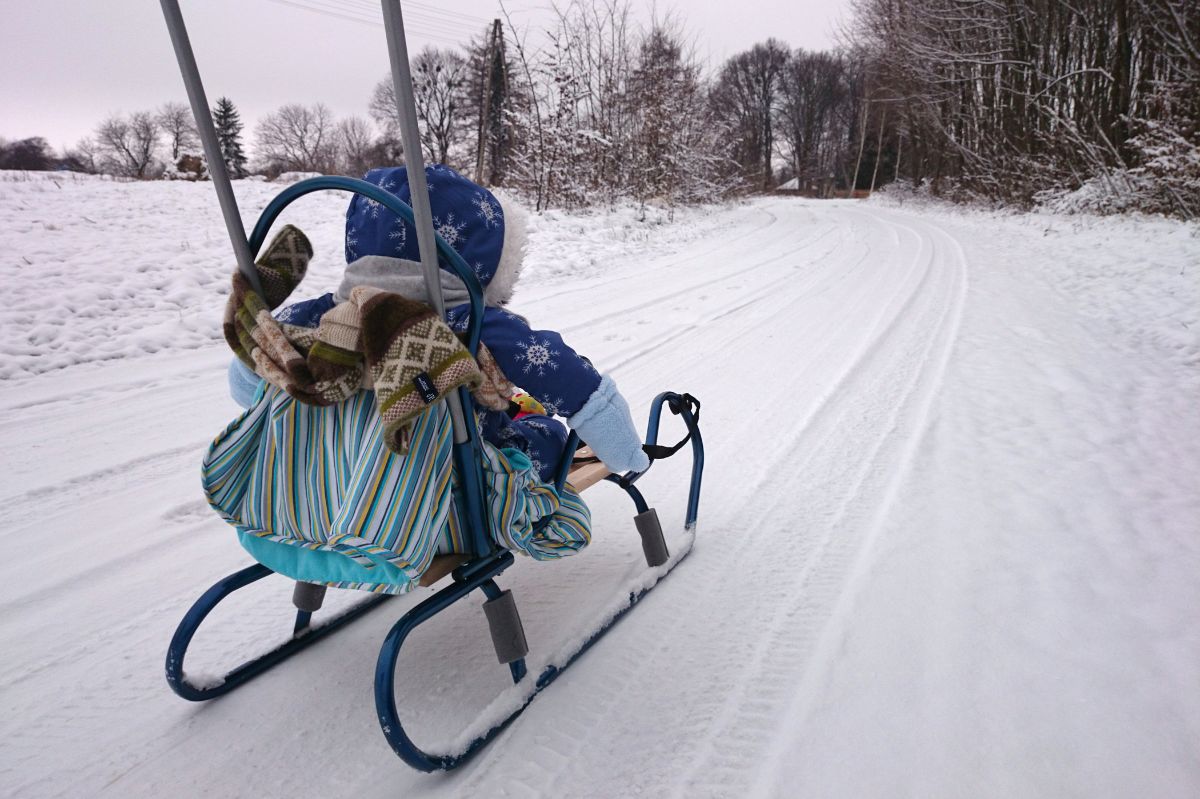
x=381, y=250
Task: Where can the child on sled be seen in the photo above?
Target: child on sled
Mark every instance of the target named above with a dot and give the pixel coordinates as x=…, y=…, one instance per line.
x=281, y=447
x=381, y=252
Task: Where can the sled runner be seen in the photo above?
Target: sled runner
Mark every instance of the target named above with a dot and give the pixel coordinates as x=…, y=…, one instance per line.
x=478, y=557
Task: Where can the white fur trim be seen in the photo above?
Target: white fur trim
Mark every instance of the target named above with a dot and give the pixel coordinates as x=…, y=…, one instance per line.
x=512, y=255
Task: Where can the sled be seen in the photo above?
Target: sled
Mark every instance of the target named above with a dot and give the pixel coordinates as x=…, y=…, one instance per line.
x=478, y=568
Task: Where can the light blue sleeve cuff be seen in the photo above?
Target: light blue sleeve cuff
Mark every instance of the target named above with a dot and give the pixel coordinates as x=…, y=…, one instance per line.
x=606, y=424
x=243, y=383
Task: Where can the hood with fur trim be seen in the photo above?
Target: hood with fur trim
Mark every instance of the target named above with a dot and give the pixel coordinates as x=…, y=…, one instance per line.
x=487, y=230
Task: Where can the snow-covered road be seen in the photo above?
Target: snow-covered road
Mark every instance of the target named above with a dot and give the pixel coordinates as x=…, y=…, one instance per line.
x=948, y=539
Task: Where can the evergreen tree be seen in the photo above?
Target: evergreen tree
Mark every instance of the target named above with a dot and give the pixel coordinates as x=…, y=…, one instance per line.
x=229, y=136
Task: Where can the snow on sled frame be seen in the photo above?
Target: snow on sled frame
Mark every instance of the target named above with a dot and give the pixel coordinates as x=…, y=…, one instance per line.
x=486, y=560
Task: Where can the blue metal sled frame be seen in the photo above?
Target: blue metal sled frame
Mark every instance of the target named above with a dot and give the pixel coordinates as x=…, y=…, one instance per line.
x=485, y=563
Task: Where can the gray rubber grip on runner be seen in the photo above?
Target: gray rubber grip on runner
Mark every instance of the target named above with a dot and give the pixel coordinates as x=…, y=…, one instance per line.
x=508, y=634
x=653, y=543
x=308, y=596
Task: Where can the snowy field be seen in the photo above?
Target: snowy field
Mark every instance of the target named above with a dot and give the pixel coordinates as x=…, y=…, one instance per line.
x=949, y=541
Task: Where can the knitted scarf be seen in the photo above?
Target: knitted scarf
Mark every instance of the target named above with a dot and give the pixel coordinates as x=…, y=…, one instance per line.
x=376, y=339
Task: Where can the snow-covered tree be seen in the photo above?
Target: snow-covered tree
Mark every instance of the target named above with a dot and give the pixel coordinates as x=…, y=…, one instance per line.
x=674, y=154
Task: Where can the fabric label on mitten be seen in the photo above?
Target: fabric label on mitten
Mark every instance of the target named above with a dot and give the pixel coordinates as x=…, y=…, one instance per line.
x=425, y=387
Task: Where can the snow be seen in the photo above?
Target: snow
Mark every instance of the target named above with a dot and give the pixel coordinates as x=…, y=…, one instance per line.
x=947, y=544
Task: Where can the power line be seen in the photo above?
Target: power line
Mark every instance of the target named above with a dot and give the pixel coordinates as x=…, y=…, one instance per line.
x=436, y=12
x=431, y=19
x=349, y=14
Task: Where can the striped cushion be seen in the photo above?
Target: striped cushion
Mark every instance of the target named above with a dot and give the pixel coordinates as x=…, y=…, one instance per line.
x=348, y=512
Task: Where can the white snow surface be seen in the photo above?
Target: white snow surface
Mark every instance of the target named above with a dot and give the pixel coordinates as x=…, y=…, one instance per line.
x=948, y=539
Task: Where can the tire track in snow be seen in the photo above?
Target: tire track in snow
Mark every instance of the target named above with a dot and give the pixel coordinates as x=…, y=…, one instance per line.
x=806, y=620
x=563, y=739
x=733, y=619
x=801, y=565
x=622, y=358
x=624, y=663
x=921, y=394
x=78, y=488
x=740, y=275
x=664, y=264
x=744, y=319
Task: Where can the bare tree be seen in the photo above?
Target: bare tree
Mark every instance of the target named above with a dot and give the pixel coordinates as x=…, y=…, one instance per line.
x=439, y=82
x=818, y=112
x=126, y=145
x=297, y=138
x=175, y=119
x=355, y=146
x=747, y=94
x=83, y=157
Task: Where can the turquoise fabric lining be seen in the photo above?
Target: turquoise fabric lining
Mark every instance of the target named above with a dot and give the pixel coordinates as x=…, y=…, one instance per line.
x=517, y=459
x=321, y=566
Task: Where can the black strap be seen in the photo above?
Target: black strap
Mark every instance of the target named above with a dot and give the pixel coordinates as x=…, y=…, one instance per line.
x=656, y=451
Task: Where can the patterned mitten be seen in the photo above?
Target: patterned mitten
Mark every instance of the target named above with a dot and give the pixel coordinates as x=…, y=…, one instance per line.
x=280, y=269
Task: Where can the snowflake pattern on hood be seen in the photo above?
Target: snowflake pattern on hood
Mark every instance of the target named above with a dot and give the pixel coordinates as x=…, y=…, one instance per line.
x=489, y=234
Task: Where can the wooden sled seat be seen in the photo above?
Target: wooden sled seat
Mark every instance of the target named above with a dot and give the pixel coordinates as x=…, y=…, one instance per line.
x=585, y=474
x=440, y=567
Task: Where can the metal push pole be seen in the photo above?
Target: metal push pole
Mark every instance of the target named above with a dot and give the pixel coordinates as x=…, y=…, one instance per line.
x=208, y=138
x=410, y=137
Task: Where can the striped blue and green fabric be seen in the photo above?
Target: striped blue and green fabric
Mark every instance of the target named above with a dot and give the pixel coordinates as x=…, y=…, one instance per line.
x=518, y=500
x=316, y=495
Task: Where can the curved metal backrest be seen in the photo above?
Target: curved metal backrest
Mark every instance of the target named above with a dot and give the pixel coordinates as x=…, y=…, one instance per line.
x=467, y=460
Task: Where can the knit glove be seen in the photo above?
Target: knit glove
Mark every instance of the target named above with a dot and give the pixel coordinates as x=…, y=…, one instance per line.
x=606, y=424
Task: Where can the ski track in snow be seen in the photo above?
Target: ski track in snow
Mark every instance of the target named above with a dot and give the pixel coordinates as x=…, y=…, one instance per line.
x=813, y=642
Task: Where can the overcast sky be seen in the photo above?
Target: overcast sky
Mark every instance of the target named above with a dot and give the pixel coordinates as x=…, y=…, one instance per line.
x=66, y=64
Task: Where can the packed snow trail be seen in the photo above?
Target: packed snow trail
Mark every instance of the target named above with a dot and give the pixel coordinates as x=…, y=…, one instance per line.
x=947, y=539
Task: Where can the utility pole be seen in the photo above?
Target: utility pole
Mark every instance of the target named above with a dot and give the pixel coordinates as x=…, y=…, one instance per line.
x=878, y=148
x=862, y=140
x=485, y=107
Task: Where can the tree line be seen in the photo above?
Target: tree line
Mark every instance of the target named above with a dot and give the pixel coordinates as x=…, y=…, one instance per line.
x=1024, y=99
x=1013, y=101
